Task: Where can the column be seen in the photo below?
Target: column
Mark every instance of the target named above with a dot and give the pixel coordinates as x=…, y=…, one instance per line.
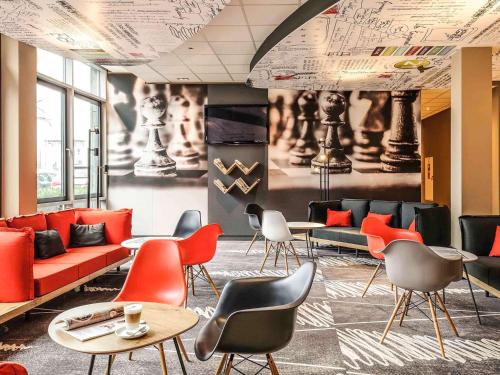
x=472, y=173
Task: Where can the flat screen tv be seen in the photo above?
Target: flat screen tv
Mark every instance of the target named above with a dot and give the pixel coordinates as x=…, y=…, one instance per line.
x=236, y=124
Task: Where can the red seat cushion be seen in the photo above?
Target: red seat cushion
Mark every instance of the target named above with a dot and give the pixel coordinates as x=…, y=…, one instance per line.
x=386, y=219
x=114, y=253
x=87, y=262
x=338, y=218
x=16, y=264
x=35, y=221
x=61, y=221
x=495, y=249
x=49, y=277
x=3, y=223
x=118, y=223
x=12, y=368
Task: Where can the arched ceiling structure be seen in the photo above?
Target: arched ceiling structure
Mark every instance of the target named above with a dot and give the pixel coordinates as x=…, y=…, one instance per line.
x=374, y=44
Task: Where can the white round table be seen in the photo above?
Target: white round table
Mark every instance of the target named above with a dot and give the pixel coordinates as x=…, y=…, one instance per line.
x=135, y=243
x=305, y=226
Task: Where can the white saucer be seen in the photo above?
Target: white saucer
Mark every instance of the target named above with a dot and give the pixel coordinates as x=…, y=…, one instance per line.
x=124, y=334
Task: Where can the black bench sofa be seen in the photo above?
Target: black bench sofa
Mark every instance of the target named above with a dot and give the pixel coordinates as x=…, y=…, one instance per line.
x=431, y=220
x=478, y=235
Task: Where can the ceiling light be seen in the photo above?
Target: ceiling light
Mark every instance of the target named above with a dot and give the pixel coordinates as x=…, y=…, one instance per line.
x=183, y=79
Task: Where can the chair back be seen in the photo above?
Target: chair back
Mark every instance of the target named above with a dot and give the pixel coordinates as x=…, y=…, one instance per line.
x=200, y=246
x=291, y=291
x=413, y=266
x=379, y=235
x=274, y=226
x=189, y=222
x=254, y=212
x=156, y=275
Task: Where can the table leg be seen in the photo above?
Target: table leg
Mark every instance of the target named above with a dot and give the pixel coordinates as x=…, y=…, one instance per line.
x=307, y=244
x=162, y=359
x=91, y=367
x=472, y=293
x=179, y=355
x=110, y=362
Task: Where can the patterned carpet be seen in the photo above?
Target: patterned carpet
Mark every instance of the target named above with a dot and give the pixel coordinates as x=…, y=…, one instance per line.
x=337, y=331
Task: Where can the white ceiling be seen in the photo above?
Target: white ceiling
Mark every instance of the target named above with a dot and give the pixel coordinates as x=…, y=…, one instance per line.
x=222, y=50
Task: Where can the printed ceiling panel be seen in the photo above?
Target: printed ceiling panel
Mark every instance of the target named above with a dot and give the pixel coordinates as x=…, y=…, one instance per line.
x=107, y=32
x=374, y=44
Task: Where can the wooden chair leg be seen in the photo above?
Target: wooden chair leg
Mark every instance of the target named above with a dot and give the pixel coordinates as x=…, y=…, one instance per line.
x=210, y=281
x=162, y=359
x=436, y=325
x=389, y=323
x=272, y=365
x=221, y=364
x=446, y=314
x=295, y=253
x=251, y=243
x=183, y=349
x=268, y=250
x=374, y=274
x=405, y=310
x=229, y=365
x=285, y=251
x=279, y=245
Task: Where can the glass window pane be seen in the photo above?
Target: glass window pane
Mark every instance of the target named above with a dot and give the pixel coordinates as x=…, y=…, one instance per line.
x=86, y=78
x=50, y=142
x=50, y=64
x=86, y=116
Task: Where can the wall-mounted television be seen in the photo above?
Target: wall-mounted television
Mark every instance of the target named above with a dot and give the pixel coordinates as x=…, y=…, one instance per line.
x=236, y=124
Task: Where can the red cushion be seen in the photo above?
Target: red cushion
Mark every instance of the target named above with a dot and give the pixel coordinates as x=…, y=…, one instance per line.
x=87, y=262
x=35, y=221
x=49, y=277
x=338, y=218
x=16, y=264
x=386, y=219
x=61, y=222
x=114, y=253
x=495, y=249
x=118, y=223
x=3, y=223
x=412, y=226
x=12, y=368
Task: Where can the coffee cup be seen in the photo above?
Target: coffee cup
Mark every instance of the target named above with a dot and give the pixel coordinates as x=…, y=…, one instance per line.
x=132, y=316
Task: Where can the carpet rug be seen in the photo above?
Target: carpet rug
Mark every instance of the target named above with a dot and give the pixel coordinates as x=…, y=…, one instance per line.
x=337, y=331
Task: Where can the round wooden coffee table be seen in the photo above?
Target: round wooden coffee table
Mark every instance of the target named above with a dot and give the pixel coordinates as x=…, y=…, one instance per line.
x=305, y=226
x=165, y=322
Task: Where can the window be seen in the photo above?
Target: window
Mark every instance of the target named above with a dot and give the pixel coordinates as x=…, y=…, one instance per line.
x=67, y=86
x=50, y=142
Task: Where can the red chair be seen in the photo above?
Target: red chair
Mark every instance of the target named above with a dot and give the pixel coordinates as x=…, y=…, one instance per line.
x=156, y=275
x=198, y=249
x=11, y=368
x=379, y=235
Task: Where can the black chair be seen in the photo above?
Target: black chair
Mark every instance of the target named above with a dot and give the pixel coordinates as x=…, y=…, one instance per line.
x=189, y=222
x=254, y=212
x=254, y=316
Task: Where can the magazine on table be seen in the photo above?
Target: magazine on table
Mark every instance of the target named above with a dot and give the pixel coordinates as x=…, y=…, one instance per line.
x=97, y=330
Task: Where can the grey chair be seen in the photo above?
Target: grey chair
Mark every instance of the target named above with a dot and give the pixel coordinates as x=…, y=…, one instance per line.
x=189, y=222
x=254, y=316
x=415, y=268
x=254, y=212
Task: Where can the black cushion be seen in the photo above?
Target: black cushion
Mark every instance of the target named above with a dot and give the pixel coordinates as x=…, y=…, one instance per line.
x=317, y=210
x=408, y=211
x=386, y=208
x=341, y=234
x=359, y=208
x=478, y=233
x=87, y=235
x=434, y=224
x=48, y=243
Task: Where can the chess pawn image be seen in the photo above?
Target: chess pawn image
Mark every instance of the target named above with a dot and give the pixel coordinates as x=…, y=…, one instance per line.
x=120, y=153
x=289, y=135
x=401, y=154
x=154, y=161
x=180, y=148
x=306, y=146
x=196, y=98
x=332, y=155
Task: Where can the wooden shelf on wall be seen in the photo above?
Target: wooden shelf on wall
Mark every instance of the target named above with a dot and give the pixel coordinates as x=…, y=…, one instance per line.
x=239, y=182
x=237, y=164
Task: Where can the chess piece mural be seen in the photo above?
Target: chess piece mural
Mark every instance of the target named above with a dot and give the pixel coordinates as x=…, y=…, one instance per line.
x=306, y=146
x=289, y=119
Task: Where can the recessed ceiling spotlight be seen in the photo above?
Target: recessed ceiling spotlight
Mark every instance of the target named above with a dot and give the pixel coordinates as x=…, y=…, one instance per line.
x=191, y=48
x=183, y=79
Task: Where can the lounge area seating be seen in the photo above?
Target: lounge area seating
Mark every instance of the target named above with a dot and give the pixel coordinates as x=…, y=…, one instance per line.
x=430, y=220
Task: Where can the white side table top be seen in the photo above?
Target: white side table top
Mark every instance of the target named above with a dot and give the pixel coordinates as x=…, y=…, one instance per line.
x=451, y=253
x=304, y=225
x=135, y=243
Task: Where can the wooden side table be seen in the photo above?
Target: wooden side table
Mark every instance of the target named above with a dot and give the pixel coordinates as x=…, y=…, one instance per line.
x=165, y=322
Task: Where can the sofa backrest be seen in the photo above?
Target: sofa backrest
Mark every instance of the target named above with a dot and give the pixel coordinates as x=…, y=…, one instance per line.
x=478, y=233
x=359, y=208
x=408, y=211
x=388, y=208
x=317, y=210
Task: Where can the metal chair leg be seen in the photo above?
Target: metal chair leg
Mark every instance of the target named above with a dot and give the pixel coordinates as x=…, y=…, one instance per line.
x=472, y=294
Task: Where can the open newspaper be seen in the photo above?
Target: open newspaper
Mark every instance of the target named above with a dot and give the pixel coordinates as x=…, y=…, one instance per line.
x=96, y=330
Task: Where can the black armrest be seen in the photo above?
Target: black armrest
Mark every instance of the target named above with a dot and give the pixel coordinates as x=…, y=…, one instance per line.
x=478, y=233
x=317, y=210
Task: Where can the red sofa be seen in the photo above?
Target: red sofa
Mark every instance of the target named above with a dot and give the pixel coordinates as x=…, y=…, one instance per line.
x=27, y=278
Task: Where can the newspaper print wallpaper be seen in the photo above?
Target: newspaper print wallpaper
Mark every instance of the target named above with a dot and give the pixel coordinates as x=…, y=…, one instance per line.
x=379, y=45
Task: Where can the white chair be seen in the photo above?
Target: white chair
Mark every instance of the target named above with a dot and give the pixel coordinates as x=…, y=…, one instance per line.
x=279, y=238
